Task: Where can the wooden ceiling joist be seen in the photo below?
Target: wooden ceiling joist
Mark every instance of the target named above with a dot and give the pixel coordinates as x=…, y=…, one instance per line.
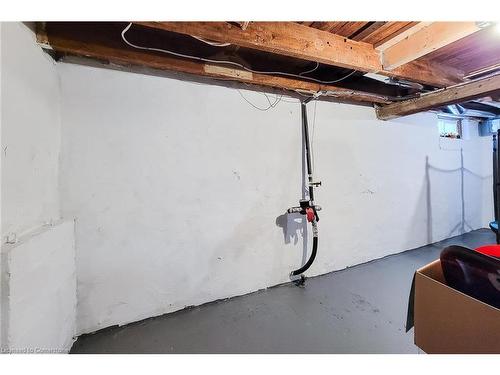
x=419, y=41
x=460, y=93
x=129, y=57
x=286, y=38
x=289, y=46
x=307, y=43
x=410, y=30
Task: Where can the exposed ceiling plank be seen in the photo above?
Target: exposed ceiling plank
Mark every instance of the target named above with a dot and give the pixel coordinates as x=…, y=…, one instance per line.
x=451, y=95
x=326, y=26
x=348, y=28
x=387, y=31
x=129, y=57
x=295, y=40
x=368, y=30
x=425, y=40
x=482, y=71
x=471, y=53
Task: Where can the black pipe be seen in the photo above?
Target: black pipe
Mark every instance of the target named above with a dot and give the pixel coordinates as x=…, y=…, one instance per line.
x=497, y=187
x=495, y=176
x=309, y=204
x=310, y=260
x=306, y=142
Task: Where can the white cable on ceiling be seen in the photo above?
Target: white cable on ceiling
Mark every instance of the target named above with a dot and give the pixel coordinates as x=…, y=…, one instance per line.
x=311, y=70
x=215, y=44
x=230, y=62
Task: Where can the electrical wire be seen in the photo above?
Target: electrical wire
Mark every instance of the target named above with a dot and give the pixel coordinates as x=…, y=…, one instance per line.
x=311, y=70
x=267, y=97
x=281, y=97
x=271, y=105
x=229, y=62
x=215, y=44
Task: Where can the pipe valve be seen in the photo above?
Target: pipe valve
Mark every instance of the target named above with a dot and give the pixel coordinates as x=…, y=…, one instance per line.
x=305, y=208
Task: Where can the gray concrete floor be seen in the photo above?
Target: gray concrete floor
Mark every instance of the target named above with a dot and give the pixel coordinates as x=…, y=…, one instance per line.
x=361, y=309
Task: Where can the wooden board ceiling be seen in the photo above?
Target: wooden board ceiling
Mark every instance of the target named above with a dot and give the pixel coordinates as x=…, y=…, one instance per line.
x=373, y=32
x=479, y=50
x=418, y=56
x=471, y=53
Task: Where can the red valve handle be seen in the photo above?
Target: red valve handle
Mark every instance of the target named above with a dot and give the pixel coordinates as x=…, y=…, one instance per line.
x=310, y=214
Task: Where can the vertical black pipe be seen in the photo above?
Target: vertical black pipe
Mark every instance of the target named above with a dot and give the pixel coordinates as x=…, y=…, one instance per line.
x=495, y=176
x=314, y=251
x=497, y=187
x=462, y=190
x=308, y=153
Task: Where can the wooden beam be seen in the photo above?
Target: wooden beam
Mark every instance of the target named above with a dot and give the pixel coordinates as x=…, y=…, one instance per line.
x=419, y=41
x=299, y=41
x=131, y=57
x=451, y=95
x=412, y=29
x=285, y=38
x=41, y=35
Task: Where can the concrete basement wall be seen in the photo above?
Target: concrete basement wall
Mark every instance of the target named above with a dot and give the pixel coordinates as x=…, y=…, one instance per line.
x=1, y=255
x=30, y=132
x=179, y=190
x=38, y=292
x=42, y=290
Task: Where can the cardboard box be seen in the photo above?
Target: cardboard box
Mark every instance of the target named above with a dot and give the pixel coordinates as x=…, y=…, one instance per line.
x=448, y=321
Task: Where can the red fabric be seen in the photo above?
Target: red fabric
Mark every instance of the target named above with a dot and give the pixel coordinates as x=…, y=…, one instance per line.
x=310, y=214
x=491, y=250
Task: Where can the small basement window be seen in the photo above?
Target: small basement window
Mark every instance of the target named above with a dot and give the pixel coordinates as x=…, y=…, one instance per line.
x=450, y=127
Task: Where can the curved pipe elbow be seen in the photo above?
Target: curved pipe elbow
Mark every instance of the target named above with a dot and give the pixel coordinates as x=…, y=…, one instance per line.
x=310, y=261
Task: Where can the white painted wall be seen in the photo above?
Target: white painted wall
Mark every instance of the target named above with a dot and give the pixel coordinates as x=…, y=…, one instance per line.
x=38, y=291
x=42, y=285
x=31, y=129
x=177, y=190
x=379, y=198
x=1, y=257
